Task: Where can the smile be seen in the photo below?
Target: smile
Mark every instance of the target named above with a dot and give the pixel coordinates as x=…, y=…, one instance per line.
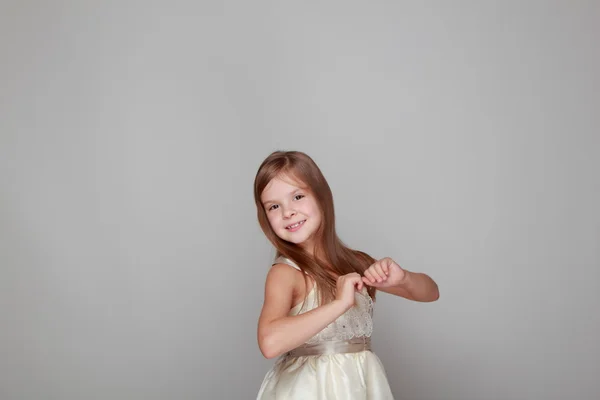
x=295, y=226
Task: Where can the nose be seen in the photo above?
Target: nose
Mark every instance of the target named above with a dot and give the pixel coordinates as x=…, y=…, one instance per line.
x=288, y=213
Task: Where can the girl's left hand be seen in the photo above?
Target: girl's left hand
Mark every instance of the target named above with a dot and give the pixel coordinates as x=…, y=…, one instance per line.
x=384, y=273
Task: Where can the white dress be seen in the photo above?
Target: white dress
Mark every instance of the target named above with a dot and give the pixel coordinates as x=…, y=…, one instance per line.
x=330, y=375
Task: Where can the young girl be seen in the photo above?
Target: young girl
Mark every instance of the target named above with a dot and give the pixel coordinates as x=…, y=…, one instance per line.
x=317, y=311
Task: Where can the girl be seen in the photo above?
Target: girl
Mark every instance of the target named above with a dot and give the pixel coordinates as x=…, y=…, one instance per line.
x=317, y=311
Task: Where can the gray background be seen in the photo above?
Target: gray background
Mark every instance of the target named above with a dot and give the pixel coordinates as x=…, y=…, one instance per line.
x=460, y=138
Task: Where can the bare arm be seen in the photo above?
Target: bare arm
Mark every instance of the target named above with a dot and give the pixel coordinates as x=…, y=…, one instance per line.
x=417, y=286
x=278, y=332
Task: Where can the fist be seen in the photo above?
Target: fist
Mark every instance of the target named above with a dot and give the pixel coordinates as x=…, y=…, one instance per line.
x=384, y=273
x=347, y=285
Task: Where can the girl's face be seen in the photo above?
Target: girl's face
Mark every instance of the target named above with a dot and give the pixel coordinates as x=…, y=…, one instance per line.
x=292, y=211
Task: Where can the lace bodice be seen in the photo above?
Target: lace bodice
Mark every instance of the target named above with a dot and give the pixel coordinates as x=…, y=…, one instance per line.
x=356, y=322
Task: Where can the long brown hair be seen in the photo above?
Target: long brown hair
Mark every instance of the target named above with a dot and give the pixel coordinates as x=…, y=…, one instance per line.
x=339, y=259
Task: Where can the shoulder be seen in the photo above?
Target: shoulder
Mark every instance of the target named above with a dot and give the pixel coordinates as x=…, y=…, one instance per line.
x=281, y=289
x=283, y=275
x=283, y=270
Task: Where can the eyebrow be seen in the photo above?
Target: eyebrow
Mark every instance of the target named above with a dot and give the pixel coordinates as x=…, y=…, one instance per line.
x=273, y=201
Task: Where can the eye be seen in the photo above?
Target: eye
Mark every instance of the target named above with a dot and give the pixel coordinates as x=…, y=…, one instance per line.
x=298, y=195
x=272, y=207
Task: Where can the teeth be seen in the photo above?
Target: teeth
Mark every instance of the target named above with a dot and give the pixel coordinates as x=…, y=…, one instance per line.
x=295, y=225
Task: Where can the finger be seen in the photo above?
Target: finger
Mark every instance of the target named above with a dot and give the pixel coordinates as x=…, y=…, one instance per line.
x=379, y=269
x=369, y=276
x=356, y=282
x=368, y=282
x=385, y=264
x=385, y=268
x=359, y=284
x=355, y=279
x=375, y=272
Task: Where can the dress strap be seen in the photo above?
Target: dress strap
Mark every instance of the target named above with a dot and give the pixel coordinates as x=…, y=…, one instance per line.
x=285, y=260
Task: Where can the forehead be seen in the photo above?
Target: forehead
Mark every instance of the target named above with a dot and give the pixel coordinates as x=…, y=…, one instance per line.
x=280, y=187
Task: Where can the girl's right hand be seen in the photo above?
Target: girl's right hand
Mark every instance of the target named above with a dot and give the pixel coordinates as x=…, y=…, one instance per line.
x=346, y=287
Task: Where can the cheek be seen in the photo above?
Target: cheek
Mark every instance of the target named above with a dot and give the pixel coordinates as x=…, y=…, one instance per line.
x=318, y=220
x=316, y=212
x=318, y=215
x=272, y=219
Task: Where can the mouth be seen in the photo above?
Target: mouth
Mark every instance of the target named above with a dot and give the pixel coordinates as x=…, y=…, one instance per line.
x=296, y=226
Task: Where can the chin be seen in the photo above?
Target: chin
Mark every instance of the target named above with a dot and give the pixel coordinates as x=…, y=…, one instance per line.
x=296, y=242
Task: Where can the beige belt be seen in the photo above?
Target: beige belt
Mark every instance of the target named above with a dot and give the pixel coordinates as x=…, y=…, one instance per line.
x=332, y=347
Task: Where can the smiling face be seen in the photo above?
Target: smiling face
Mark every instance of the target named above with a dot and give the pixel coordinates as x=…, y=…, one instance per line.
x=292, y=211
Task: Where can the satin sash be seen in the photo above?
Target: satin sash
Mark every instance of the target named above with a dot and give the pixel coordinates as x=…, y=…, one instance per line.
x=332, y=347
